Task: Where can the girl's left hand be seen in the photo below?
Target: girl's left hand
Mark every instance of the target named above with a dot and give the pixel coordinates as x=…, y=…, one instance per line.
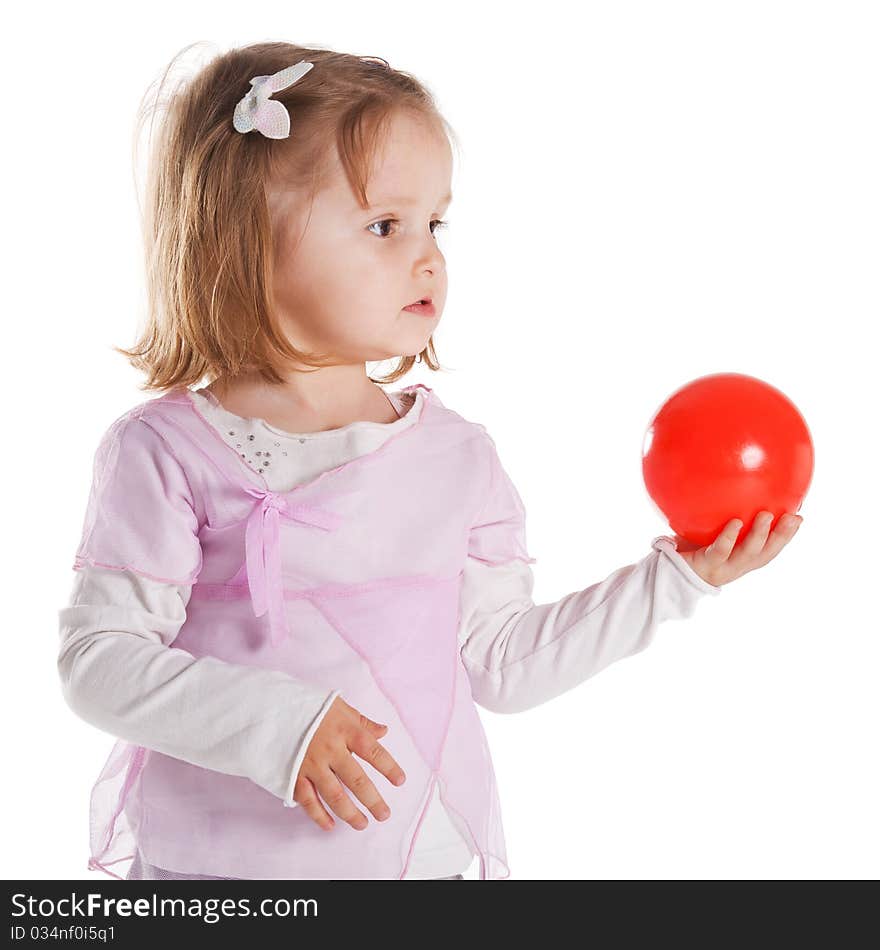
x=717, y=565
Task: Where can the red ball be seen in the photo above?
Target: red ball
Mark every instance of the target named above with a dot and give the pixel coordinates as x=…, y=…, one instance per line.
x=726, y=446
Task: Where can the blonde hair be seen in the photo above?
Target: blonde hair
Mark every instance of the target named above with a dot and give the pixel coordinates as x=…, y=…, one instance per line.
x=208, y=233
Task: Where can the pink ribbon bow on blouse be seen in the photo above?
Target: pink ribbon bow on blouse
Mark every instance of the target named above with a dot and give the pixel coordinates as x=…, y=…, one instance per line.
x=262, y=542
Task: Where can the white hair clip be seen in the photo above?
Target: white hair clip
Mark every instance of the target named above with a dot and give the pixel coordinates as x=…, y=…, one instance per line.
x=257, y=111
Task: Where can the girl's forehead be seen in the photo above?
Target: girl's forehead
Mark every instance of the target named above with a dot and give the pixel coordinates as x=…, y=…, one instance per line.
x=405, y=178
x=412, y=167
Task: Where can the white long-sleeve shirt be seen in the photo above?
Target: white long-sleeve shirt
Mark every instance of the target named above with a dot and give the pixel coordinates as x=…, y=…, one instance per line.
x=121, y=673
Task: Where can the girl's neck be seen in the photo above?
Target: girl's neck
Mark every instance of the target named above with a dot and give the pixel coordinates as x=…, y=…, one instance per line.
x=286, y=410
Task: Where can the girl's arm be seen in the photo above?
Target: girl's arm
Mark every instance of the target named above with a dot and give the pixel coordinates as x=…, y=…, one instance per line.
x=120, y=673
x=519, y=654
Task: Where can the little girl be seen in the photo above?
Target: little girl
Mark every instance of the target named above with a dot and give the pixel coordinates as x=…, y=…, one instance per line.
x=293, y=587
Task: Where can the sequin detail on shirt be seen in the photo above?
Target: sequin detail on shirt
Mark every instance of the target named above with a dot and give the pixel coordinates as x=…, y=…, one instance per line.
x=260, y=448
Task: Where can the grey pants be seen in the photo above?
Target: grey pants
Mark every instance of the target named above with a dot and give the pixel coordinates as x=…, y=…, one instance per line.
x=142, y=871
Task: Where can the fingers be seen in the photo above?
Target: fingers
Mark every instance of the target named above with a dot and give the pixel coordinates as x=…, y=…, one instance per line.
x=366, y=723
x=757, y=537
x=719, y=550
x=351, y=774
x=761, y=545
x=785, y=530
x=306, y=796
x=329, y=766
x=344, y=769
x=722, y=561
x=331, y=790
x=379, y=757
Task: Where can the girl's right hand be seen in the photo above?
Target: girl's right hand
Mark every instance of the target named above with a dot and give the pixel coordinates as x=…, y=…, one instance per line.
x=328, y=759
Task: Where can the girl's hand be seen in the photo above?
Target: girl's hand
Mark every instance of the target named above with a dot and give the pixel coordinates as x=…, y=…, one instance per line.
x=717, y=565
x=328, y=760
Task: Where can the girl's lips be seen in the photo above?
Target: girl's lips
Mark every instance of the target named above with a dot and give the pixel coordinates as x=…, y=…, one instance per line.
x=425, y=309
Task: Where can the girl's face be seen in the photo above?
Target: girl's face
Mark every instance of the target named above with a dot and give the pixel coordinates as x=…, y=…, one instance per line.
x=342, y=290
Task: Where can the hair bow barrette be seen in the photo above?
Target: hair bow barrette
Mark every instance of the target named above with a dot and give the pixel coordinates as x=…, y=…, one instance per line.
x=257, y=111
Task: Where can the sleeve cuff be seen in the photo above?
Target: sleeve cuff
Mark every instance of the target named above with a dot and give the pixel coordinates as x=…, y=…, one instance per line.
x=667, y=545
x=288, y=801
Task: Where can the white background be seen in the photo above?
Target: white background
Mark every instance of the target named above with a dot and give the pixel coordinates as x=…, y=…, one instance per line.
x=647, y=193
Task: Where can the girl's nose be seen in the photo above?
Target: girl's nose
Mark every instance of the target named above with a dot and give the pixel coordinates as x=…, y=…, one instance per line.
x=432, y=260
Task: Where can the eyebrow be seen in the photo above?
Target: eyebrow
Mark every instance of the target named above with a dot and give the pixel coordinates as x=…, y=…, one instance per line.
x=397, y=199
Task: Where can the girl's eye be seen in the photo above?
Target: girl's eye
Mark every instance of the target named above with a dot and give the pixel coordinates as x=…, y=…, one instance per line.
x=438, y=224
